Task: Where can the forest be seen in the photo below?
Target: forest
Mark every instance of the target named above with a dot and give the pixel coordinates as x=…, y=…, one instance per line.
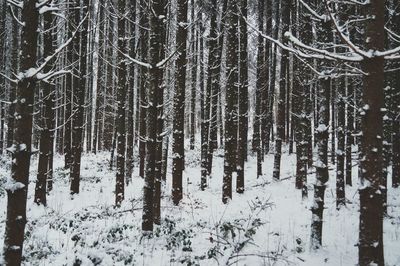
x=199, y=132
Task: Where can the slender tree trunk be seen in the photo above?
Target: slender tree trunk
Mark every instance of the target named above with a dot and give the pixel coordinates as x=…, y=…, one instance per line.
x=121, y=102
x=257, y=144
x=143, y=80
x=193, y=74
x=349, y=131
x=47, y=133
x=280, y=123
x=231, y=100
x=13, y=87
x=243, y=99
x=179, y=104
x=79, y=97
x=155, y=81
x=322, y=136
x=340, y=152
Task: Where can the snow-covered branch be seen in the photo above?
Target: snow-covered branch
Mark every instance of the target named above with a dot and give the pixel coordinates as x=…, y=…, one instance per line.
x=18, y=4
x=343, y=36
x=297, y=42
x=15, y=17
x=313, y=12
x=164, y=61
x=32, y=72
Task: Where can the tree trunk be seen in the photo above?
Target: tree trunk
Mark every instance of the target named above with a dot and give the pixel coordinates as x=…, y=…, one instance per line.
x=231, y=100
x=144, y=21
x=370, y=245
x=121, y=102
x=321, y=136
x=280, y=123
x=340, y=152
x=179, y=104
x=79, y=99
x=154, y=83
x=349, y=131
x=17, y=185
x=47, y=133
x=258, y=117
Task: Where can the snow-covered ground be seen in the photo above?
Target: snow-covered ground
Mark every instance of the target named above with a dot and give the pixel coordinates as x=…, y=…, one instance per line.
x=267, y=225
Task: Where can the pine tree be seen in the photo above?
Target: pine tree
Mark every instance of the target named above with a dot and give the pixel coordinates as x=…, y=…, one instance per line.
x=17, y=188
x=231, y=100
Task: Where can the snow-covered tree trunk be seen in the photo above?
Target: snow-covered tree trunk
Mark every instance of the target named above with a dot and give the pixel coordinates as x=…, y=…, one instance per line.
x=144, y=35
x=178, y=148
x=79, y=98
x=280, y=120
x=47, y=125
x=349, y=130
x=121, y=102
x=17, y=185
x=154, y=83
x=231, y=100
x=321, y=136
x=160, y=120
x=243, y=99
x=258, y=116
x=340, y=152
x=370, y=244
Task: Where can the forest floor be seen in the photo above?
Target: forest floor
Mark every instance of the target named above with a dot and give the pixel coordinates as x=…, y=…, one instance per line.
x=267, y=225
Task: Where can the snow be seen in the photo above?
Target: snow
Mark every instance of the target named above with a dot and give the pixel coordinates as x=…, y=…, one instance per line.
x=267, y=225
x=12, y=185
x=322, y=128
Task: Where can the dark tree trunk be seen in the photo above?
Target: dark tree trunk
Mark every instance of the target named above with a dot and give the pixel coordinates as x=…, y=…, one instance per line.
x=259, y=87
x=243, y=99
x=193, y=74
x=47, y=133
x=179, y=104
x=68, y=89
x=321, y=136
x=280, y=123
x=144, y=21
x=155, y=82
x=121, y=102
x=79, y=102
x=13, y=87
x=340, y=152
x=17, y=188
x=160, y=122
x=370, y=244
x=204, y=100
x=231, y=100
x=349, y=131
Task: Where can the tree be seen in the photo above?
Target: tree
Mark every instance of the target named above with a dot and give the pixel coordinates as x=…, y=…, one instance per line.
x=321, y=135
x=121, y=100
x=259, y=83
x=231, y=100
x=370, y=245
x=47, y=133
x=154, y=82
x=280, y=123
x=79, y=100
x=17, y=186
x=243, y=99
x=179, y=103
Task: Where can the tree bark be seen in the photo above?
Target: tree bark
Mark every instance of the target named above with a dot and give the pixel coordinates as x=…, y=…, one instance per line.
x=370, y=247
x=231, y=100
x=17, y=188
x=79, y=99
x=179, y=104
